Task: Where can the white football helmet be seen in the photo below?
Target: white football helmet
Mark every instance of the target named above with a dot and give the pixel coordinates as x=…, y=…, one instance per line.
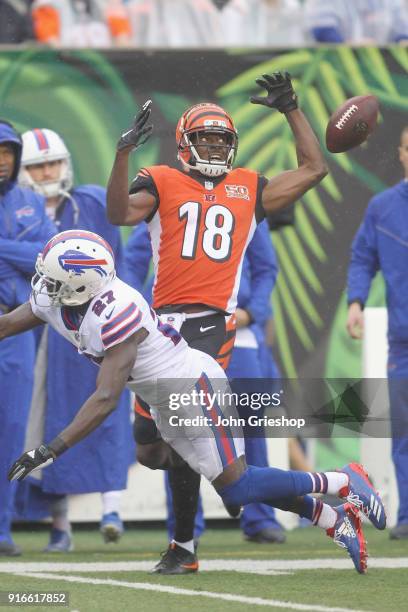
x=40, y=146
x=74, y=266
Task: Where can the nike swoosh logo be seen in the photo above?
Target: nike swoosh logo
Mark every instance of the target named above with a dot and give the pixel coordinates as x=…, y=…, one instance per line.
x=126, y=133
x=107, y=317
x=204, y=329
x=192, y=566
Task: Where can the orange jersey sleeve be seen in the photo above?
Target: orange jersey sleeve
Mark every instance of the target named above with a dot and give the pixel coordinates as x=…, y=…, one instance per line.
x=199, y=236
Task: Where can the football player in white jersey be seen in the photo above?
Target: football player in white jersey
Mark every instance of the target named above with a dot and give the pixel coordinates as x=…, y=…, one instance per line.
x=76, y=291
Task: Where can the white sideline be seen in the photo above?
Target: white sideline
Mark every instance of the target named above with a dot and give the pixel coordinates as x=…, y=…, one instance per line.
x=258, y=601
x=265, y=566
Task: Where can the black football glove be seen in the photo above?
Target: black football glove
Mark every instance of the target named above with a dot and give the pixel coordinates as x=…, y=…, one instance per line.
x=29, y=461
x=138, y=133
x=280, y=92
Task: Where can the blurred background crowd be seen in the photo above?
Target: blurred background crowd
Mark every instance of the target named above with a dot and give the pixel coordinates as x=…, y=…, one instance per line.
x=201, y=23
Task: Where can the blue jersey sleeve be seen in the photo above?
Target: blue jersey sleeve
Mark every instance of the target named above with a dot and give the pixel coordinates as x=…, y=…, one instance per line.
x=6, y=269
x=364, y=261
x=264, y=270
x=138, y=254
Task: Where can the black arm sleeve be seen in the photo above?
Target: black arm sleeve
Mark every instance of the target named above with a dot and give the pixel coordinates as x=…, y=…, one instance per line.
x=143, y=180
x=278, y=219
x=259, y=209
x=283, y=217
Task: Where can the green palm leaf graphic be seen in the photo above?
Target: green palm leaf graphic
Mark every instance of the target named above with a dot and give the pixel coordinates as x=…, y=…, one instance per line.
x=400, y=55
x=293, y=61
x=297, y=286
x=374, y=63
x=82, y=97
x=324, y=78
x=303, y=262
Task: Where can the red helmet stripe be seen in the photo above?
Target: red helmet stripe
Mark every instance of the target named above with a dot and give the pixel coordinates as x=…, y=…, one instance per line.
x=87, y=262
x=41, y=139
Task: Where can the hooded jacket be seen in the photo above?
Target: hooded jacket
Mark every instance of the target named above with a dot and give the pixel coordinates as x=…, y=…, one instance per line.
x=24, y=229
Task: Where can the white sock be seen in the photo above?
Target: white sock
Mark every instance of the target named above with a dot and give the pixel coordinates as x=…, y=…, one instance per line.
x=324, y=515
x=59, y=514
x=336, y=481
x=186, y=545
x=111, y=502
x=328, y=482
x=61, y=523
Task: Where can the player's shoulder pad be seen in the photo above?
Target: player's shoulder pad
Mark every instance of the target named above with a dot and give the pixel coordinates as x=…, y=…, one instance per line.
x=119, y=322
x=154, y=171
x=152, y=178
x=156, y=168
x=243, y=172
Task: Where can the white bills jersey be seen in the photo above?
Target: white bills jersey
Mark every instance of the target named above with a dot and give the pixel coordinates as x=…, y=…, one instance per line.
x=165, y=368
x=113, y=316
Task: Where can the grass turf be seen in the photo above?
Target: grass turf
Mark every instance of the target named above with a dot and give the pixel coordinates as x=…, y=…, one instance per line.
x=379, y=590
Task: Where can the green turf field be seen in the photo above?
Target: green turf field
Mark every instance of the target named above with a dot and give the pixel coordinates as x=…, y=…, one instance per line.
x=307, y=573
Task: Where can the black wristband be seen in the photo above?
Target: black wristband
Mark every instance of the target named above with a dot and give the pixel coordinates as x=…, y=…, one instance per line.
x=57, y=446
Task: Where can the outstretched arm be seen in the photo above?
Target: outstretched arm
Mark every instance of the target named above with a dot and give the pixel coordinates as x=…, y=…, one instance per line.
x=122, y=208
x=18, y=321
x=112, y=378
x=289, y=186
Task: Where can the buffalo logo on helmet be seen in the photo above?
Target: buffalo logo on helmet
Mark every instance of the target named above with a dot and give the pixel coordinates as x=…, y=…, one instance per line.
x=77, y=262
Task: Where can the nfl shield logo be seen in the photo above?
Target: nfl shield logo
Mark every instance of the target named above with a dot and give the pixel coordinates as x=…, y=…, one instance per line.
x=209, y=185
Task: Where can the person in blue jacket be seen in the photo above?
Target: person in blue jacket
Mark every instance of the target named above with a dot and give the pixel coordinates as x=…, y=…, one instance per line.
x=46, y=168
x=24, y=229
x=258, y=277
x=381, y=244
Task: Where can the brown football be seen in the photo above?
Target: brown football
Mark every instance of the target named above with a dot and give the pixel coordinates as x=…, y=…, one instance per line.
x=351, y=123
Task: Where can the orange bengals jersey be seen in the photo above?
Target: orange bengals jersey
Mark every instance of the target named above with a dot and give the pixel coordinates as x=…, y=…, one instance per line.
x=199, y=232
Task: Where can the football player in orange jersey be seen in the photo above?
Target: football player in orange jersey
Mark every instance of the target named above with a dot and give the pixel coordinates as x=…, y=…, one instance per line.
x=201, y=218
